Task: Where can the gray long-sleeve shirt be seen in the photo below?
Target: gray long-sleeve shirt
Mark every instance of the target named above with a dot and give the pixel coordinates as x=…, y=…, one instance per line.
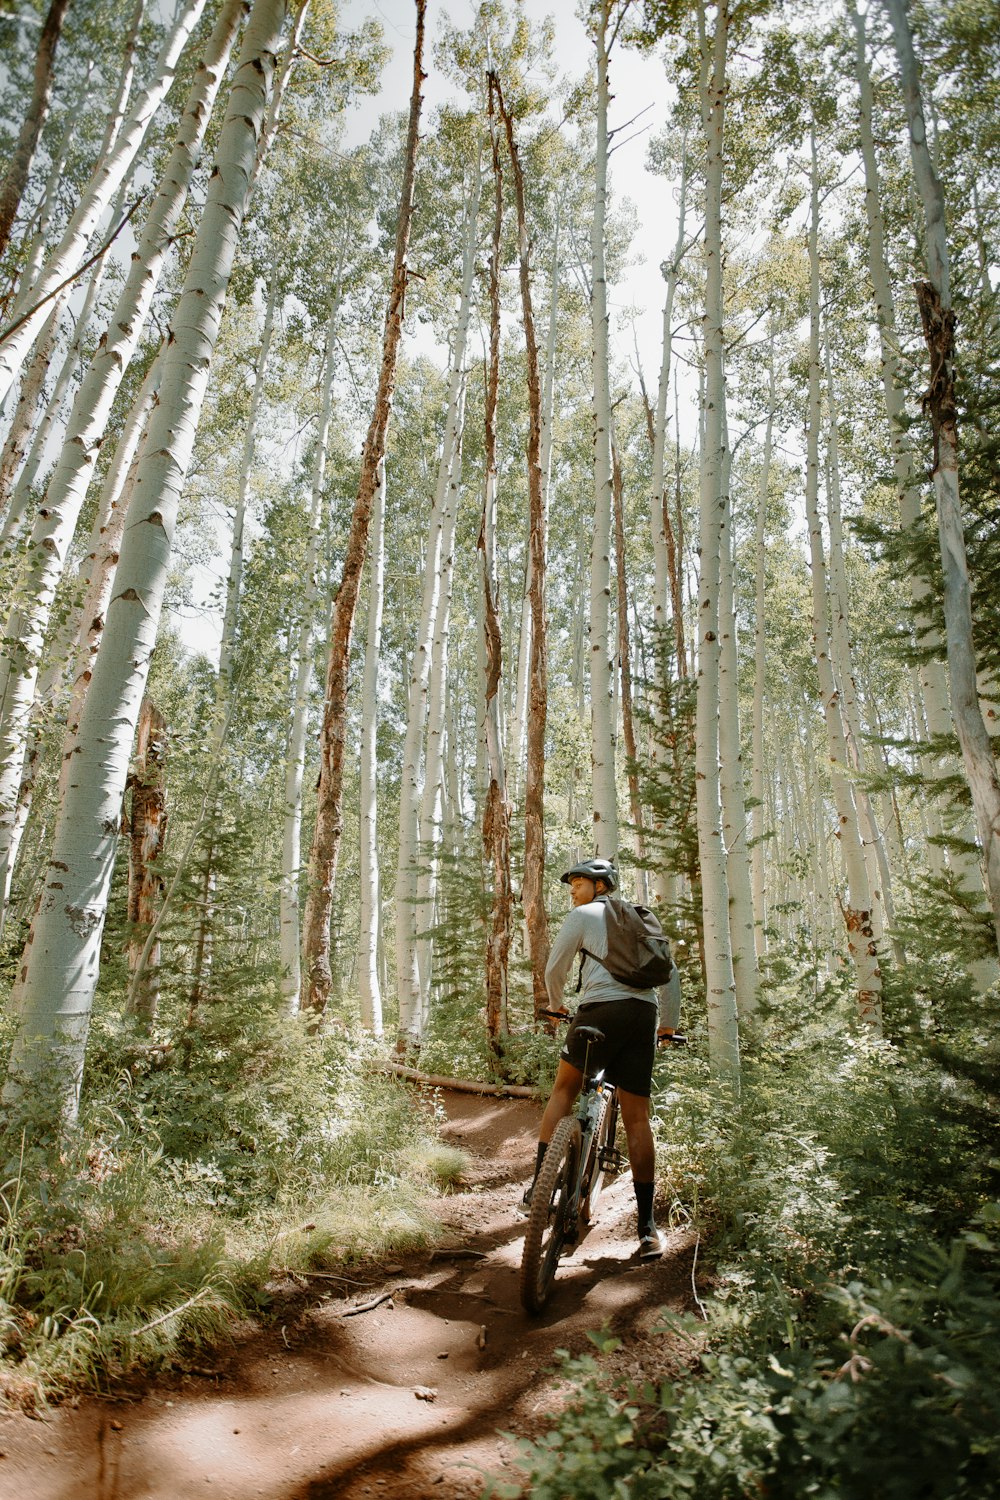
x=585, y=927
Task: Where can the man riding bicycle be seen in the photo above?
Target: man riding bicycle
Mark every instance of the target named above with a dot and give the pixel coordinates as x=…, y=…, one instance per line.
x=631, y=1021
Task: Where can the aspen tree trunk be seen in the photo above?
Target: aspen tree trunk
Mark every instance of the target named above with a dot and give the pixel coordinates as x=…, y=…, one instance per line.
x=602, y=667
x=289, y=939
x=547, y=447
x=101, y=561
x=932, y=677
x=432, y=796
x=24, y=418
x=318, y=978
x=147, y=831
x=758, y=814
x=879, y=876
x=57, y=518
x=369, y=989
x=31, y=308
x=938, y=318
x=496, y=813
x=857, y=913
x=720, y=980
x=407, y=877
x=732, y=789
x=625, y=669
x=56, y=983
x=16, y=176
x=666, y=581
x=533, y=891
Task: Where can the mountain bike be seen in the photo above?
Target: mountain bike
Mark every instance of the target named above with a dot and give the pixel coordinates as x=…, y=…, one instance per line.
x=581, y=1153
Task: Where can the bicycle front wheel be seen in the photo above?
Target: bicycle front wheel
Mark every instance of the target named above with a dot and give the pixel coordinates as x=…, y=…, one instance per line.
x=547, y=1226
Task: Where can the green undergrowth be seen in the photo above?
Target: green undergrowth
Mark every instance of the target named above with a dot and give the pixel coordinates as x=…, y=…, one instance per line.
x=195, y=1179
x=848, y=1218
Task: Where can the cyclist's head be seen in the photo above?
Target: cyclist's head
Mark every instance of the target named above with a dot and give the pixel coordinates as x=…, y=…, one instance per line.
x=596, y=870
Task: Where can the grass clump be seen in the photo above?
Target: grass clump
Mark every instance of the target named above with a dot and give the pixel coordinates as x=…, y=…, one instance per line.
x=194, y=1177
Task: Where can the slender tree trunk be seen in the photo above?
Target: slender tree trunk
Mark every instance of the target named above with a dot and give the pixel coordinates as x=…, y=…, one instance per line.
x=519, y=724
x=318, y=977
x=147, y=832
x=16, y=176
x=732, y=789
x=625, y=669
x=533, y=892
x=407, y=868
x=758, y=822
x=496, y=813
x=432, y=797
x=934, y=301
x=31, y=308
x=879, y=875
x=602, y=653
x=56, y=983
x=857, y=913
x=57, y=518
x=369, y=989
x=720, y=981
x=932, y=677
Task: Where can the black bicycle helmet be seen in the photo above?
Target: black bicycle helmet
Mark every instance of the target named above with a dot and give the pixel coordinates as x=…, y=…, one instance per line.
x=594, y=869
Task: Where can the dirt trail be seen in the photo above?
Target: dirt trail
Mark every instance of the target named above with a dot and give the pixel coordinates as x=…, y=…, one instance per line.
x=405, y=1400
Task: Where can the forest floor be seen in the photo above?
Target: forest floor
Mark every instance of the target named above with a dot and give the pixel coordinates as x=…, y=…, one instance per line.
x=411, y=1398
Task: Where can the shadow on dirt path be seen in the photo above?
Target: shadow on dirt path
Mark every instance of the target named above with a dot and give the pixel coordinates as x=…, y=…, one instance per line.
x=407, y=1399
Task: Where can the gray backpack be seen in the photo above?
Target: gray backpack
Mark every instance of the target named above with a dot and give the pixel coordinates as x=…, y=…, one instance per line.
x=638, y=949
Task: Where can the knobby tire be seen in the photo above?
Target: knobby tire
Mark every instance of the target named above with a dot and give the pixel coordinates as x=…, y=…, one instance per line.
x=546, y=1231
x=594, y=1177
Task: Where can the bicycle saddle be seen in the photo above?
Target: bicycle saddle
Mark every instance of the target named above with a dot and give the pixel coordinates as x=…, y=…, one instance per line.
x=591, y=1032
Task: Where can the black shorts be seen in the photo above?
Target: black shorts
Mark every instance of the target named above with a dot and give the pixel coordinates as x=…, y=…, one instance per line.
x=629, y=1047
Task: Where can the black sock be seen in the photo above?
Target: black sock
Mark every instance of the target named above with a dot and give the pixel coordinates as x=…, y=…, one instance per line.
x=543, y=1146
x=644, y=1203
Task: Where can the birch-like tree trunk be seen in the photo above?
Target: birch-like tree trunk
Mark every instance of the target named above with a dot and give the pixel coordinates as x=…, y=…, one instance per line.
x=625, y=671
x=56, y=521
x=879, y=874
x=432, y=798
x=533, y=890
x=289, y=930
x=758, y=813
x=56, y=984
x=731, y=785
x=31, y=308
x=519, y=717
x=407, y=877
x=932, y=675
x=369, y=988
x=19, y=166
x=937, y=315
x=720, y=980
x=857, y=911
x=318, y=977
x=147, y=831
x=496, y=812
x=602, y=651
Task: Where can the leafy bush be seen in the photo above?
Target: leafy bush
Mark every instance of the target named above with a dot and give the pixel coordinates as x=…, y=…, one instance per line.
x=851, y=1344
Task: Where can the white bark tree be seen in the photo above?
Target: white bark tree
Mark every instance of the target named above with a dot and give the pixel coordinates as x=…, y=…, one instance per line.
x=31, y=307
x=602, y=643
x=720, y=980
x=369, y=987
x=857, y=909
x=60, y=967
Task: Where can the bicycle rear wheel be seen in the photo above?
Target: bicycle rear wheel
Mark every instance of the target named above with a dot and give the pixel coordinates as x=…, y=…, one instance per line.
x=603, y=1137
x=546, y=1231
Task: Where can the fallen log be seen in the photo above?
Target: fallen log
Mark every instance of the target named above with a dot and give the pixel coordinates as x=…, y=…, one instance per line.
x=459, y=1085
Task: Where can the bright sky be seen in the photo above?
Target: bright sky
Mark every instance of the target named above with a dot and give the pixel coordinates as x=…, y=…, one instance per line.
x=636, y=81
